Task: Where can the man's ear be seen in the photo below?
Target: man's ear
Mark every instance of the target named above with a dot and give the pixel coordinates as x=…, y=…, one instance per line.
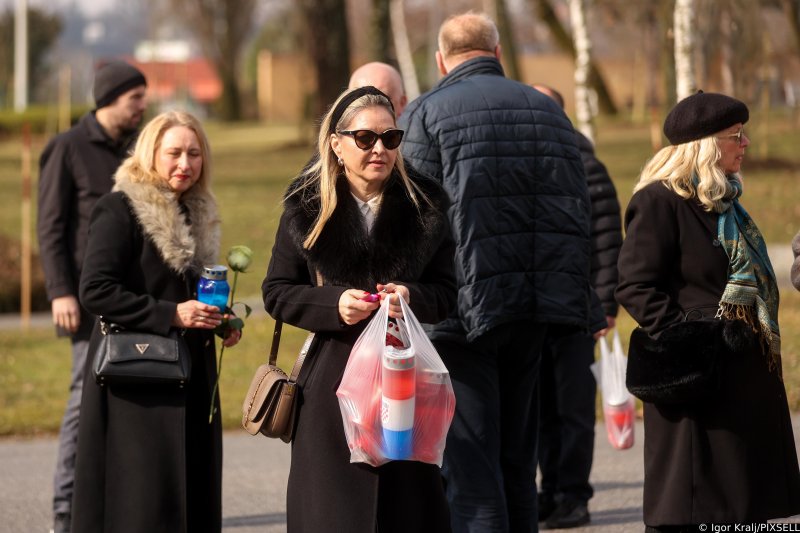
x=440, y=63
x=498, y=52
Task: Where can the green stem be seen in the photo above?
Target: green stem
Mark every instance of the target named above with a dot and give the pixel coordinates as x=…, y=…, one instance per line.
x=222, y=351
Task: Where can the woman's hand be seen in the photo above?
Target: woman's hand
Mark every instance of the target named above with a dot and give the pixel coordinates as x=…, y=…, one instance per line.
x=352, y=309
x=232, y=337
x=395, y=311
x=195, y=314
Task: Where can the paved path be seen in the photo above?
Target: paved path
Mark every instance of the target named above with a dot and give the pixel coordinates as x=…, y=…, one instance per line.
x=254, y=484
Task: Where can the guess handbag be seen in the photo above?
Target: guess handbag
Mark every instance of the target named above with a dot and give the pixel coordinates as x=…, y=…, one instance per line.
x=125, y=356
x=270, y=407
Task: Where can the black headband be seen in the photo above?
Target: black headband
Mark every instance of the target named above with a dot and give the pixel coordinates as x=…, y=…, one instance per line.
x=351, y=97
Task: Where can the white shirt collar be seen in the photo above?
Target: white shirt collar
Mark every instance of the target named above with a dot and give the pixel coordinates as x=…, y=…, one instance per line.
x=368, y=210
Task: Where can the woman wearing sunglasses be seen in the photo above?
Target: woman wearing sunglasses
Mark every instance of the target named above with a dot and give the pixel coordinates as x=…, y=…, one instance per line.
x=366, y=224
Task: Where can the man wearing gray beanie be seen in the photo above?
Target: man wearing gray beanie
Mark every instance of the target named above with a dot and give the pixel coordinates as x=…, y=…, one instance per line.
x=76, y=168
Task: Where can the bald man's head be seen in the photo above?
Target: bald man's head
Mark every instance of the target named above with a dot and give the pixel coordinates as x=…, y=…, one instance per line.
x=384, y=77
x=549, y=91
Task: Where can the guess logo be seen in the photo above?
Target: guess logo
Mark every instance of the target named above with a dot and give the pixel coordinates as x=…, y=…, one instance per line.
x=142, y=348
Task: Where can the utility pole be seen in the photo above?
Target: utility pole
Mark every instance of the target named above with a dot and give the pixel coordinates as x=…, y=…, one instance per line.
x=21, y=56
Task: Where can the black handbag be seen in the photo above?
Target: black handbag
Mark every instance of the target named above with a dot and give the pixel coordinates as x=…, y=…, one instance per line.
x=125, y=356
x=684, y=364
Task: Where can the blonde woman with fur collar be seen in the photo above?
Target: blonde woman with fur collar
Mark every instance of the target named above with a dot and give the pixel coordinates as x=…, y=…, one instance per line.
x=148, y=460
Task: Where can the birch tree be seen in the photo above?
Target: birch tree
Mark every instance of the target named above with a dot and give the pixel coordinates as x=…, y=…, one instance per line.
x=403, y=49
x=563, y=40
x=684, y=28
x=583, y=60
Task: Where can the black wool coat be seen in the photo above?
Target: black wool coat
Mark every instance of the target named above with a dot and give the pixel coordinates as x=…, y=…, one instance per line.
x=76, y=168
x=148, y=460
x=326, y=492
x=728, y=458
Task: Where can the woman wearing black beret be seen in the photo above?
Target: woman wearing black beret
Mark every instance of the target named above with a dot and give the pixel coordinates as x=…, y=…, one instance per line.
x=694, y=273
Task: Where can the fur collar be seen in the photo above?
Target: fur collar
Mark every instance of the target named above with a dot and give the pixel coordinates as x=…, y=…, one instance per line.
x=401, y=244
x=184, y=246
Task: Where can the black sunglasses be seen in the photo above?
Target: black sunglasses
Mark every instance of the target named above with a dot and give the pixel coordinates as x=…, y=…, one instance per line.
x=366, y=139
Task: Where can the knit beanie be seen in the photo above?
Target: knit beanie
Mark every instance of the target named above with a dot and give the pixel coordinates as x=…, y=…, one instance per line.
x=113, y=79
x=701, y=115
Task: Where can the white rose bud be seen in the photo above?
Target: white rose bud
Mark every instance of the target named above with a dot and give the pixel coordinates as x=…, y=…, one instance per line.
x=239, y=258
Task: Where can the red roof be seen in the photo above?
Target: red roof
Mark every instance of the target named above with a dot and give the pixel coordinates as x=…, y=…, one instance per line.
x=169, y=80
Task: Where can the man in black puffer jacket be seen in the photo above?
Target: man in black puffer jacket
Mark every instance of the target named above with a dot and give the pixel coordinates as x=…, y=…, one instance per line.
x=506, y=155
x=568, y=388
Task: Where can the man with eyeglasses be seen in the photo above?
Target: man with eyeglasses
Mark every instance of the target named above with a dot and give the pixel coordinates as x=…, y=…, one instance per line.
x=507, y=156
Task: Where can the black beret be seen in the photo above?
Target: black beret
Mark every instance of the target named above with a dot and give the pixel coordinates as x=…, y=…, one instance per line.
x=701, y=115
x=113, y=79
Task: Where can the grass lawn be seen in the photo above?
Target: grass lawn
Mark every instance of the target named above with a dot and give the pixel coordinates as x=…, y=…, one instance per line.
x=252, y=164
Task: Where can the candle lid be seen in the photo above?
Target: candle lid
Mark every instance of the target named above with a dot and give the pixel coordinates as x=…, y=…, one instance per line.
x=218, y=272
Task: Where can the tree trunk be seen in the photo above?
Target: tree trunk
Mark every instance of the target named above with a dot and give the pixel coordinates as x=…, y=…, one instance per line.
x=380, y=33
x=564, y=41
x=507, y=42
x=685, y=83
x=665, y=21
x=583, y=59
x=403, y=48
x=328, y=48
x=726, y=52
x=221, y=28
x=792, y=9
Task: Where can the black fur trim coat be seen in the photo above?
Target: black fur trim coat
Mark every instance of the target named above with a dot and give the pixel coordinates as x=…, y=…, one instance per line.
x=406, y=246
x=729, y=457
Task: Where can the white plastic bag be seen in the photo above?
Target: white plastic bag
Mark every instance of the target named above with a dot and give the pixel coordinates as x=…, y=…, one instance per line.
x=619, y=407
x=396, y=403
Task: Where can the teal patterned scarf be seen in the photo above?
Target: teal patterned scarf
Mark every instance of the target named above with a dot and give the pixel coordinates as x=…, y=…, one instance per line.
x=751, y=293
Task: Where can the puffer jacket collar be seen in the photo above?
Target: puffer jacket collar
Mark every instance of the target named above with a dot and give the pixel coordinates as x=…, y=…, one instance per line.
x=473, y=67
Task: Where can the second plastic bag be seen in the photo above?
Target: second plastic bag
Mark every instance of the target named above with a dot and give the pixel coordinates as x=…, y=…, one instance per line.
x=619, y=408
x=397, y=402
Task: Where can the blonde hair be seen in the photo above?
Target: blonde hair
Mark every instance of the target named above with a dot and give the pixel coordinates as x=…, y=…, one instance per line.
x=141, y=165
x=468, y=32
x=321, y=177
x=676, y=166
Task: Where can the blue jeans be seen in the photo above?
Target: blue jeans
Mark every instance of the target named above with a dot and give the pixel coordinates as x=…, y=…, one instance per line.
x=490, y=458
x=567, y=417
x=64, y=478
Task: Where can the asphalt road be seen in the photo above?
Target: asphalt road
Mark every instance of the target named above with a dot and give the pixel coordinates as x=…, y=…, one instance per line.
x=255, y=471
x=254, y=484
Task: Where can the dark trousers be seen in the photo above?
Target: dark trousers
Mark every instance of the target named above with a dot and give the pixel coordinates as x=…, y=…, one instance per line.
x=567, y=414
x=64, y=477
x=490, y=458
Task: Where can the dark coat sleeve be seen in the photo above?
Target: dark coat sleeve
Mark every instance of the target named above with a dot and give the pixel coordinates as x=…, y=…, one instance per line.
x=647, y=260
x=290, y=293
x=107, y=278
x=796, y=263
x=433, y=295
x=606, y=227
x=55, y=204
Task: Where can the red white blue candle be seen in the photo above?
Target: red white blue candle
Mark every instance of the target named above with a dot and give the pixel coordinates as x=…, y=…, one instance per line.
x=398, y=389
